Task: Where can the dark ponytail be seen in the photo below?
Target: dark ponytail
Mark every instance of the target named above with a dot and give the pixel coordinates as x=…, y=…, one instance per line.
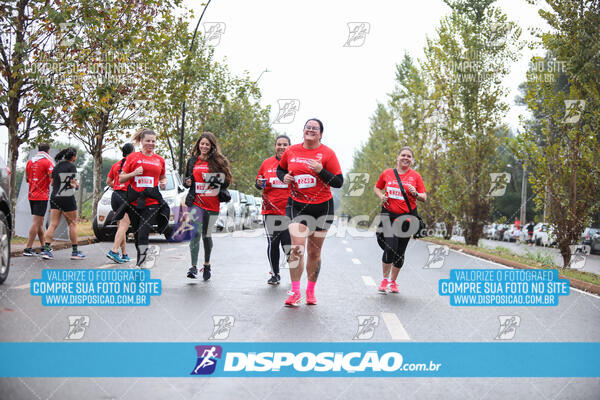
x=65, y=154
x=127, y=149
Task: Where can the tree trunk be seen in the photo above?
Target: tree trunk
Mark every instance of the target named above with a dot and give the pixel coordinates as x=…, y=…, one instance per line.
x=98, y=184
x=13, y=156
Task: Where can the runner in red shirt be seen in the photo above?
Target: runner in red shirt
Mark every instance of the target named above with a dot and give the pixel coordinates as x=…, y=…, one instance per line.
x=311, y=168
x=207, y=173
x=38, y=173
x=143, y=170
x=119, y=196
x=394, y=205
x=275, y=197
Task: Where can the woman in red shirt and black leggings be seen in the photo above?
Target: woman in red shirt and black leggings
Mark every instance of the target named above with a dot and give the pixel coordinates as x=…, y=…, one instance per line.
x=145, y=171
x=275, y=197
x=393, y=206
x=311, y=168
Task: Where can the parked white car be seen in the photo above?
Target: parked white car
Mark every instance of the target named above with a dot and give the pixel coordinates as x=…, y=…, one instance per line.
x=104, y=225
x=543, y=235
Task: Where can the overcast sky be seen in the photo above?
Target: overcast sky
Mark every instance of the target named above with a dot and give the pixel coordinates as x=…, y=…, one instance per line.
x=301, y=43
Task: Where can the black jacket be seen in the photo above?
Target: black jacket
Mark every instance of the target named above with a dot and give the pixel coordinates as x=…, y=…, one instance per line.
x=189, y=173
x=164, y=212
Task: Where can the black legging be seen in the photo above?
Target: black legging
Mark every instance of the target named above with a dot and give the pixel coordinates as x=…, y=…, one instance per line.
x=277, y=234
x=395, y=246
x=142, y=221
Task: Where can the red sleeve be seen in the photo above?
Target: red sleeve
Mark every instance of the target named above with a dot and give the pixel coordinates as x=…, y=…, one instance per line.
x=420, y=185
x=381, y=181
x=27, y=171
x=111, y=173
x=332, y=164
x=283, y=163
x=261, y=170
x=50, y=167
x=163, y=170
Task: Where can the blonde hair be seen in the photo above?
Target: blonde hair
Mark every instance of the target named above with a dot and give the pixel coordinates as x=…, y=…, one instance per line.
x=140, y=133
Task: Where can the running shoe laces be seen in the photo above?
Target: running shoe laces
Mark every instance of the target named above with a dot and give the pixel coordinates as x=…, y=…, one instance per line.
x=393, y=287
x=294, y=299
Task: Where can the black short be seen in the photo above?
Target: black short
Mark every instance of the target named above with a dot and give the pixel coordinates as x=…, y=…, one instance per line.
x=65, y=204
x=317, y=217
x=38, y=207
x=118, y=198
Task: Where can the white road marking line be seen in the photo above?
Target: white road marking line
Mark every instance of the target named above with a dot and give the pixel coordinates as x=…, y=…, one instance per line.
x=348, y=249
x=356, y=261
x=394, y=326
x=25, y=286
x=368, y=281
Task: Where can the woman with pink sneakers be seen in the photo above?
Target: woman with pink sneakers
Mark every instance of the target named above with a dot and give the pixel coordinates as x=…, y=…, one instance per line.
x=395, y=188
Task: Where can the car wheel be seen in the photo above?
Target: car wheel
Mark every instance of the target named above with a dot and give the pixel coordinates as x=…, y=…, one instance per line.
x=100, y=233
x=4, y=247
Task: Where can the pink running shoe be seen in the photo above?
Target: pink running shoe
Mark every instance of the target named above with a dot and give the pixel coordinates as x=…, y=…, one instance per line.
x=310, y=298
x=294, y=299
x=383, y=286
x=393, y=287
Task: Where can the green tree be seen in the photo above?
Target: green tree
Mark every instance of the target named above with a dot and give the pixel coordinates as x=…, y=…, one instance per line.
x=566, y=109
x=28, y=32
x=466, y=63
x=113, y=63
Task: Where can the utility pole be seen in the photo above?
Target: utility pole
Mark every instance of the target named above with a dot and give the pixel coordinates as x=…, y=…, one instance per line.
x=523, y=215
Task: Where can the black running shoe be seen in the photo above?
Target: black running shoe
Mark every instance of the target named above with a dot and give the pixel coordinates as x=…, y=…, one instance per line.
x=28, y=252
x=274, y=280
x=192, y=272
x=206, y=272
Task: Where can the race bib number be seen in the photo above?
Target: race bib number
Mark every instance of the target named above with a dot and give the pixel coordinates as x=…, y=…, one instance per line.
x=276, y=183
x=394, y=193
x=305, y=181
x=144, y=181
x=204, y=189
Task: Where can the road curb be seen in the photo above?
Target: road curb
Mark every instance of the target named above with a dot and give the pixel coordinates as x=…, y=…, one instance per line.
x=576, y=283
x=16, y=250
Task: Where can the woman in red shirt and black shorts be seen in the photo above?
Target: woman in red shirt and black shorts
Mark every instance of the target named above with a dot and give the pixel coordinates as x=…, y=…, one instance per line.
x=311, y=168
x=145, y=171
x=275, y=197
x=393, y=206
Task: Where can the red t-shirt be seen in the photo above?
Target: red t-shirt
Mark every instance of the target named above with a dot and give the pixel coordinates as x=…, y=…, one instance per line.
x=308, y=187
x=206, y=197
x=276, y=193
x=114, y=175
x=396, y=202
x=38, y=176
x=154, y=168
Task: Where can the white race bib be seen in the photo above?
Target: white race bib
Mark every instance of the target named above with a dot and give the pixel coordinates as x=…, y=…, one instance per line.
x=144, y=181
x=394, y=193
x=276, y=183
x=203, y=188
x=305, y=181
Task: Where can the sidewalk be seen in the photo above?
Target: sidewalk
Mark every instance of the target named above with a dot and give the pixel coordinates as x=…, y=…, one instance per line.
x=16, y=250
